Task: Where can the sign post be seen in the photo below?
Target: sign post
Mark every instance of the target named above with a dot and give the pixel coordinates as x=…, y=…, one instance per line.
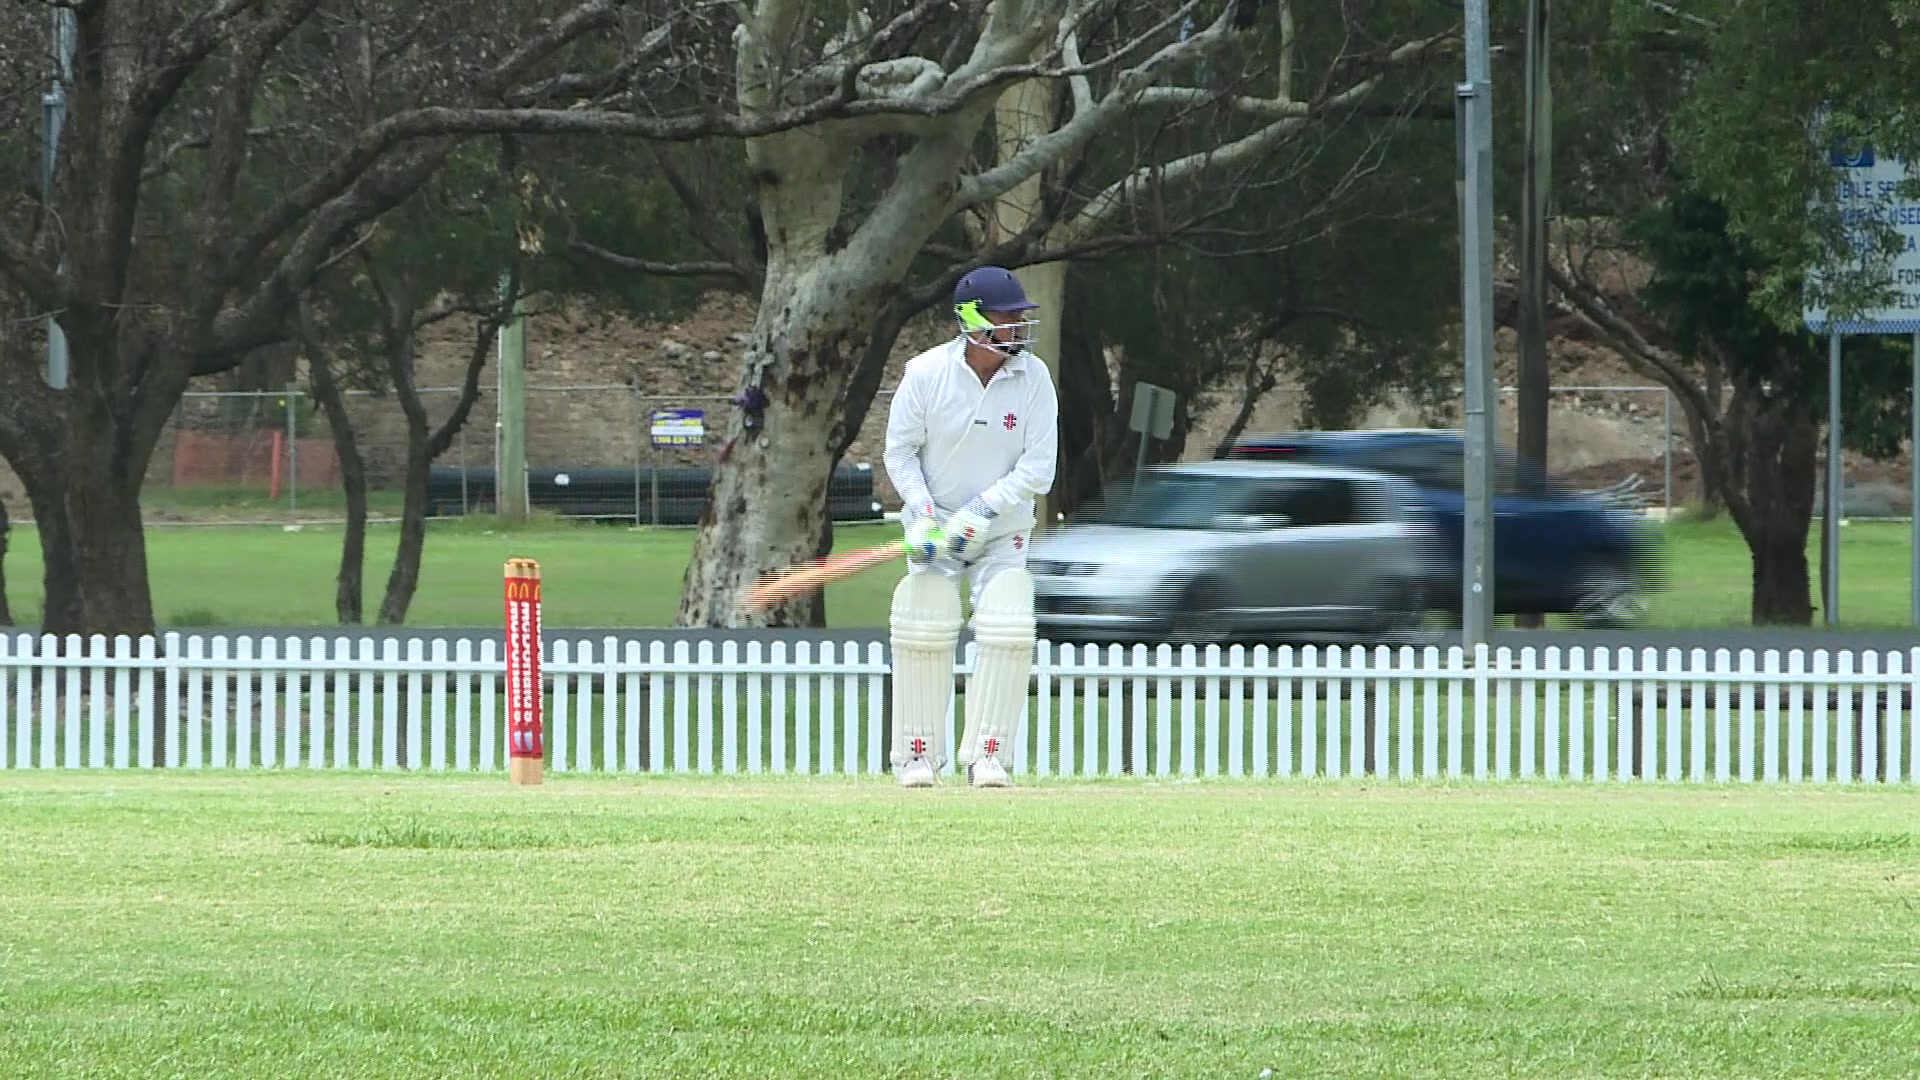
x=1867, y=187
x=673, y=429
x=1152, y=417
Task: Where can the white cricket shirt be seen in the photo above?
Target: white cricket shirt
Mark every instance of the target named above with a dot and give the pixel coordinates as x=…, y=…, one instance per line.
x=949, y=438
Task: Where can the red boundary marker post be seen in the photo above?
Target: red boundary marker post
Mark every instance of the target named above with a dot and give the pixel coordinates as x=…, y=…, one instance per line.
x=526, y=744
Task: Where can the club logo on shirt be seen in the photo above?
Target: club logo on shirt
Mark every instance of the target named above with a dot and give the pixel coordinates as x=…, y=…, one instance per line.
x=1019, y=541
x=1008, y=421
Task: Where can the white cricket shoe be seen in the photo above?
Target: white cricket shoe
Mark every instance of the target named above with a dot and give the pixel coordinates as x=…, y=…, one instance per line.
x=916, y=773
x=986, y=771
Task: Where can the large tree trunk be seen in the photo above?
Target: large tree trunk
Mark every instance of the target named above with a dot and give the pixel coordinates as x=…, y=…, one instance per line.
x=1261, y=376
x=1096, y=444
x=823, y=293
x=93, y=544
x=1771, y=453
x=426, y=443
x=350, y=588
x=405, y=578
x=6, y=527
x=60, y=600
x=1046, y=285
x=768, y=504
x=1709, y=495
x=82, y=455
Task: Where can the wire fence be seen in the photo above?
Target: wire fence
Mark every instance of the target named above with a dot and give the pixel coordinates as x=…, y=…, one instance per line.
x=599, y=450
x=607, y=450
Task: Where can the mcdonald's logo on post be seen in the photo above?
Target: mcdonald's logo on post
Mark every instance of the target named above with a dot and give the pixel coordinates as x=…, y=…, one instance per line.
x=526, y=748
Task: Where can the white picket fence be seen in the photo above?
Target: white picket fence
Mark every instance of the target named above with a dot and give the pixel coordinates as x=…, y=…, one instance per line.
x=198, y=701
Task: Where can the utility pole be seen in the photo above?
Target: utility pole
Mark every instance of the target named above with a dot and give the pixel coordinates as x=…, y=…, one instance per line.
x=1830, y=522
x=53, y=108
x=1534, y=380
x=1474, y=114
x=510, y=427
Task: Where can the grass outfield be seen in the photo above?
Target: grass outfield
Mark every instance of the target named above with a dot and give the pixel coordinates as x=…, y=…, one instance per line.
x=599, y=575
x=376, y=926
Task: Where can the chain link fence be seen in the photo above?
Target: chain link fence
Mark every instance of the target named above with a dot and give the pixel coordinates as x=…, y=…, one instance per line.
x=232, y=457
x=1634, y=407
x=610, y=451
x=607, y=452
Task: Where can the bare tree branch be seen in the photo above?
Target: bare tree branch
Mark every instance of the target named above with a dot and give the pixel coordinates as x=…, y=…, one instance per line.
x=1684, y=16
x=570, y=87
x=364, y=151
x=253, y=320
x=1284, y=107
x=1077, y=83
x=1056, y=144
x=202, y=141
x=704, y=223
x=195, y=39
x=1289, y=120
x=658, y=269
x=227, y=144
x=1656, y=362
x=34, y=277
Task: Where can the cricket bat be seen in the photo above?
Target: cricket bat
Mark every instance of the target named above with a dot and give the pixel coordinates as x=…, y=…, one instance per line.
x=819, y=573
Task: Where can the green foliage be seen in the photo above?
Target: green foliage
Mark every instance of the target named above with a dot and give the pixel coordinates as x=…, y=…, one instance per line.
x=615, y=195
x=1777, y=83
x=1704, y=283
x=1357, y=285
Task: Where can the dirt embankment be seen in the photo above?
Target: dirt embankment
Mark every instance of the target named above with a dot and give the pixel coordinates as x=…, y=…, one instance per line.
x=595, y=379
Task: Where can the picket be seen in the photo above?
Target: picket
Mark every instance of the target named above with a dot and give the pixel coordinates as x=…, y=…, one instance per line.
x=724, y=706
x=463, y=694
x=730, y=710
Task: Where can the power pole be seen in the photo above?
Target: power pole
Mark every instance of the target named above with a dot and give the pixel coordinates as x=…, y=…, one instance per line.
x=53, y=108
x=510, y=450
x=1474, y=104
x=1534, y=374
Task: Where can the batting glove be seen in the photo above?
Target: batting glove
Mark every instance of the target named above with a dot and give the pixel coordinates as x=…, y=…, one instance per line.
x=967, y=530
x=923, y=532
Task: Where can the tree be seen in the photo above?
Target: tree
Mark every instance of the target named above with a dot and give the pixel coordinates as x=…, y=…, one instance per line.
x=326, y=380
x=1761, y=441
x=1778, y=86
x=840, y=240
x=1319, y=309
x=6, y=529
x=220, y=154
x=450, y=253
x=1661, y=265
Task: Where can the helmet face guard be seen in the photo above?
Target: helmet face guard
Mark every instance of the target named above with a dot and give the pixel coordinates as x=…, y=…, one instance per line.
x=1008, y=339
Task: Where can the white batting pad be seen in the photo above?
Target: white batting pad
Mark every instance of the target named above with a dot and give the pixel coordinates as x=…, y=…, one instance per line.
x=997, y=689
x=925, y=627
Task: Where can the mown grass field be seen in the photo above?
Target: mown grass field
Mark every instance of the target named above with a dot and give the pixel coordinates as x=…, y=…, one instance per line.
x=398, y=926
x=612, y=575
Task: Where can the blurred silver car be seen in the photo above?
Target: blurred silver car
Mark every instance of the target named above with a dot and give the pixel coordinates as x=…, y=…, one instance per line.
x=1233, y=550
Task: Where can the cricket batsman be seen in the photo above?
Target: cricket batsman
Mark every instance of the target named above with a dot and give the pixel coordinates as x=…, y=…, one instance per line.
x=970, y=443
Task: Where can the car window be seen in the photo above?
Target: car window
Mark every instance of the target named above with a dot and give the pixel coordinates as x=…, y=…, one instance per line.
x=1166, y=501
x=1307, y=502
x=1268, y=498
x=1434, y=466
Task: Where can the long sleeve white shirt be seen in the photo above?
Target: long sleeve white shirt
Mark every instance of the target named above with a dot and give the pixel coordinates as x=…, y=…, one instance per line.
x=949, y=438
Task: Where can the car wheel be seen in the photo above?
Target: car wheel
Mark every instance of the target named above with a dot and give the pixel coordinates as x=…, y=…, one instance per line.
x=1201, y=616
x=1609, y=599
